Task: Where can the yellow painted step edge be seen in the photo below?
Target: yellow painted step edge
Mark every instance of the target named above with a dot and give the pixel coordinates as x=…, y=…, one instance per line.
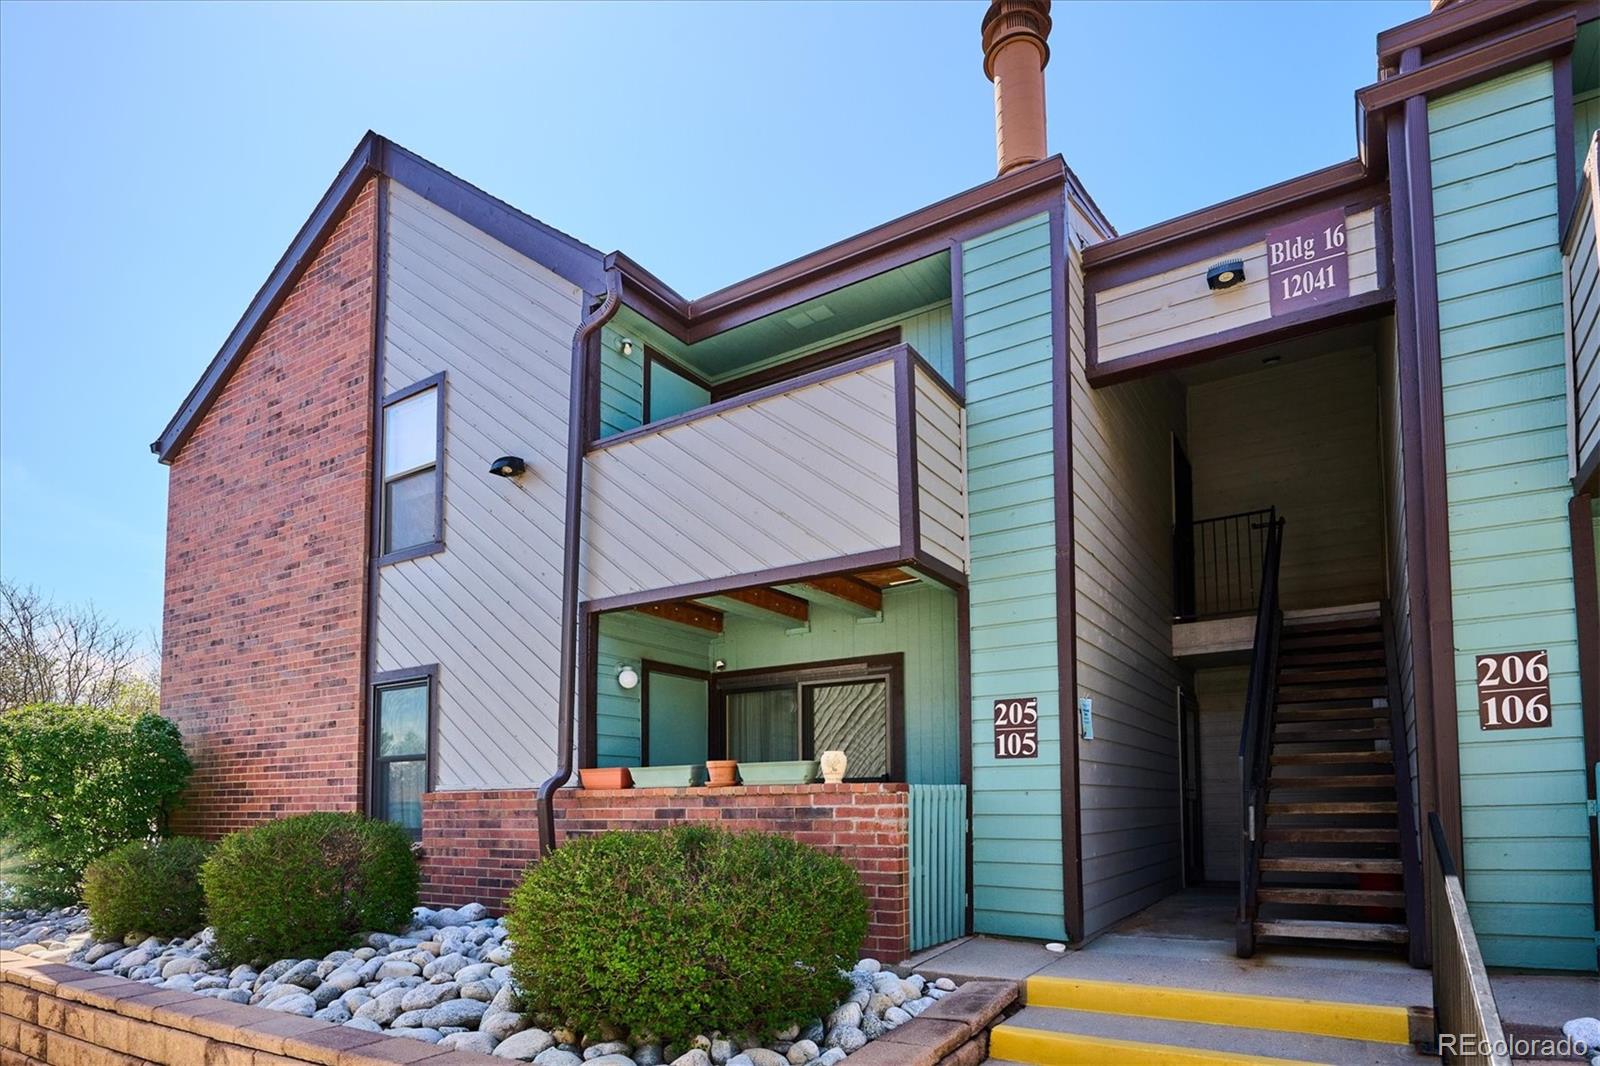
x=1317, y=1017
x=1043, y=1047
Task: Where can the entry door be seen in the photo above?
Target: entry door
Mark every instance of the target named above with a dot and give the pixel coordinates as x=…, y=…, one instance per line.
x=1194, y=866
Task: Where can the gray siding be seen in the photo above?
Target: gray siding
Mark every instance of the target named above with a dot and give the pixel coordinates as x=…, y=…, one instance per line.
x=1122, y=522
x=1176, y=305
x=941, y=472
x=1221, y=695
x=800, y=477
x=1301, y=436
x=1395, y=511
x=1583, y=316
x=487, y=608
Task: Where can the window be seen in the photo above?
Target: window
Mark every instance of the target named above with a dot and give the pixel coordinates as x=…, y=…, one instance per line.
x=413, y=500
x=802, y=711
x=402, y=728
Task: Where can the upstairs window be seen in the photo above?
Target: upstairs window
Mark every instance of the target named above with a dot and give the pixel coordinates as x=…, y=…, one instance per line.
x=413, y=485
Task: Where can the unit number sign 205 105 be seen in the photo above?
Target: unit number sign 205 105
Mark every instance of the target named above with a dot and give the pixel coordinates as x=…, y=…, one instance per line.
x=1016, y=728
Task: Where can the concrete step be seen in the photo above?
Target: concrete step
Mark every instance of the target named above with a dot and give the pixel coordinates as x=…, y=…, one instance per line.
x=1042, y=1036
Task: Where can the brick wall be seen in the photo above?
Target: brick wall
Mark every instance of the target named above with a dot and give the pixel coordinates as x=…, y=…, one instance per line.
x=266, y=556
x=476, y=844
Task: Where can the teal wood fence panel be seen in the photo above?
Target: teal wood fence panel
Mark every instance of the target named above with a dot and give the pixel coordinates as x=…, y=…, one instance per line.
x=1016, y=803
x=938, y=864
x=1524, y=827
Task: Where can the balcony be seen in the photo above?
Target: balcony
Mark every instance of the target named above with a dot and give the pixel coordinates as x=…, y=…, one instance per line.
x=850, y=467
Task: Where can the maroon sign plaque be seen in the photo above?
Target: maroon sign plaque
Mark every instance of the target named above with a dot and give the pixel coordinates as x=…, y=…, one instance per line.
x=1514, y=690
x=1307, y=263
x=1016, y=728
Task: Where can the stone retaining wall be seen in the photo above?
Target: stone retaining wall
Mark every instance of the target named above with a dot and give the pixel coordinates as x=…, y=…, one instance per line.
x=475, y=844
x=952, y=1032
x=52, y=1014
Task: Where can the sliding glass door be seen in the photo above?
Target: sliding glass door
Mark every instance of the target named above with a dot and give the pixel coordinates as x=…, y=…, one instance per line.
x=799, y=712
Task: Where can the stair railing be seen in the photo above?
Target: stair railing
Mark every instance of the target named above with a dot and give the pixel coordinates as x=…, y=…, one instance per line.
x=1255, y=739
x=1465, y=1018
x=1217, y=563
x=1400, y=746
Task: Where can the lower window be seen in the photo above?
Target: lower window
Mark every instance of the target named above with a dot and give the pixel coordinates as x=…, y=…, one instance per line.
x=402, y=729
x=798, y=713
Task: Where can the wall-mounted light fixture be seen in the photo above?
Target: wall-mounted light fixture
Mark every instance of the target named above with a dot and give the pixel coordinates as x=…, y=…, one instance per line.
x=507, y=466
x=1225, y=275
x=720, y=665
x=627, y=348
x=627, y=678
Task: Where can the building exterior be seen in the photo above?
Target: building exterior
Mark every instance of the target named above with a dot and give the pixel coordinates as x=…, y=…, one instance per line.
x=1230, y=549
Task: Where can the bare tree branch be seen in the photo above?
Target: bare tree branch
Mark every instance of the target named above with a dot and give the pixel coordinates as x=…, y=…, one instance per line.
x=74, y=655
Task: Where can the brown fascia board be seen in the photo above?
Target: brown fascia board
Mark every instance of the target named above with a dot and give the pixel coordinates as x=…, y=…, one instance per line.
x=1348, y=176
x=1526, y=42
x=1458, y=23
x=374, y=154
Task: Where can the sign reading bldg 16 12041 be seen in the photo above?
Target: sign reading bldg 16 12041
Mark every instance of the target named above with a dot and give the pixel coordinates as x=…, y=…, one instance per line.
x=1307, y=262
x=1514, y=690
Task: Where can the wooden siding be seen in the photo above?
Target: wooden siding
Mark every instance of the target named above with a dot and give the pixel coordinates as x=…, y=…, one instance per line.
x=941, y=472
x=1583, y=314
x=918, y=620
x=1221, y=695
x=1255, y=441
x=803, y=476
x=1176, y=305
x=487, y=608
x=621, y=383
x=1122, y=546
x=1016, y=804
x=627, y=638
x=1525, y=833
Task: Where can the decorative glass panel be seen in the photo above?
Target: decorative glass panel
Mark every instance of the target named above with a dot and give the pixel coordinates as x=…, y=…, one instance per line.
x=410, y=511
x=853, y=717
x=403, y=720
x=402, y=784
x=411, y=433
x=763, y=725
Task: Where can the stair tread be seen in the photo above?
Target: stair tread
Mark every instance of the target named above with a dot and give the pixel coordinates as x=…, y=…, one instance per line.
x=1298, y=658
x=1331, y=897
x=1095, y=1036
x=1313, y=757
x=1302, y=674
x=1333, y=714
x=1314, y=693
x=1314, y=929
x=1334, y=807
x=1331, y=782
x=1322, y=736
x=1318, y=864
x=1331, y=834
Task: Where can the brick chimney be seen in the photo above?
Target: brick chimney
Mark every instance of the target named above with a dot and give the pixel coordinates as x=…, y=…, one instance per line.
x=1014, y=56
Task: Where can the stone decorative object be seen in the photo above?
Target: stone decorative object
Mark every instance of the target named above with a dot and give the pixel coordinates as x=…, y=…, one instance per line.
x=834, y=764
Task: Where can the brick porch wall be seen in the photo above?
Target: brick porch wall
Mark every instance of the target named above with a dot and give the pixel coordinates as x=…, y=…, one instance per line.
x=266, y=556
x=476, y=844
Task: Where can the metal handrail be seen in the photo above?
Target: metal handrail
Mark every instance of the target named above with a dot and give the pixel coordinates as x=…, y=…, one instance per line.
x=1218, y=563
x=1255, y=738
x=1466, y=1021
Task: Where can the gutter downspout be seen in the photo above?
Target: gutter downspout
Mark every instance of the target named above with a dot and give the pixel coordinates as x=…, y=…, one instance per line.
x=577, y=439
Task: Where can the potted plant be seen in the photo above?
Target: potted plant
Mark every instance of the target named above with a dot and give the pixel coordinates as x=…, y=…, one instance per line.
x=722, y=772
x=605, y=777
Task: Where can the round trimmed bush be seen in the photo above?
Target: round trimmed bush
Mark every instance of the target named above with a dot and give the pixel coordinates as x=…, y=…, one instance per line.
x=303, y=886
x=146, y=886
x=76, y=782
x=672, y=933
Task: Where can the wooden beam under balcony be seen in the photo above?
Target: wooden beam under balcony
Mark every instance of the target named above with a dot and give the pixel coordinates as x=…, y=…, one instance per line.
x=761, y=604
x=847, y=594
x=685, y=613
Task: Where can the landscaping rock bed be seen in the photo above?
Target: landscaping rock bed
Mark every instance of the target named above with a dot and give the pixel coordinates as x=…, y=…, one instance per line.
x=446, y=980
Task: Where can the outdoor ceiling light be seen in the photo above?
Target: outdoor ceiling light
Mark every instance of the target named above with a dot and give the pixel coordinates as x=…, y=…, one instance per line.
x=627, y=348
x=1225, y=275
x=720, y=664
x=627, y=678
x=507, y=466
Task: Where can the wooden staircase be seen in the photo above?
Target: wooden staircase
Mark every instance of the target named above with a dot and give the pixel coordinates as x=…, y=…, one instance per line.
x=1332, y=859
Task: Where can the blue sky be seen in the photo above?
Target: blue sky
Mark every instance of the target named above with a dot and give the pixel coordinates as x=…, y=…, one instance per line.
x=155, y=160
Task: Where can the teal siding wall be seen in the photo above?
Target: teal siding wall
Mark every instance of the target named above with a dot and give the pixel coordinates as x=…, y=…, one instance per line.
x=626, y=638
x=1526, y=856
x=621, y=383
x=672, y=394
x=1016, y=804
x=917, y=620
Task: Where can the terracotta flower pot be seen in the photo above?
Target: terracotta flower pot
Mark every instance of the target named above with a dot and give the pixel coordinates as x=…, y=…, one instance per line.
x=722, y=772
x=606, y=777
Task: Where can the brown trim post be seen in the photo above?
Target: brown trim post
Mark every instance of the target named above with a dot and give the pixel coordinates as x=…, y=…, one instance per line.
x=374, y=531
x=1586, y=596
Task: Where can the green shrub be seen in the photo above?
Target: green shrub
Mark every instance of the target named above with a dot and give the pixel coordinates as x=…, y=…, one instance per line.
x=301, y=887
x=146, y=886
x=672, y=933
x=76, y=782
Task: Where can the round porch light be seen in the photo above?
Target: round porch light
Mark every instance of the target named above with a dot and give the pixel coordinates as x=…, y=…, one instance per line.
x=1225, y=275
x=627, y=678
x=507, y=466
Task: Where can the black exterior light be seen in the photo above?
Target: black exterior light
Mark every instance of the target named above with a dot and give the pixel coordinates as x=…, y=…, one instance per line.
x=1225, y=275
x=507, y=466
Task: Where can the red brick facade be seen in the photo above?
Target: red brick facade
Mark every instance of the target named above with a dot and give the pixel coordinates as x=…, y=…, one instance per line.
x=476, y=844
x=266, y=556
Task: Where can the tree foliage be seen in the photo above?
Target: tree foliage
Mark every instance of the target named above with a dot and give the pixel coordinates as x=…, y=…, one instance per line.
x=69, y=655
